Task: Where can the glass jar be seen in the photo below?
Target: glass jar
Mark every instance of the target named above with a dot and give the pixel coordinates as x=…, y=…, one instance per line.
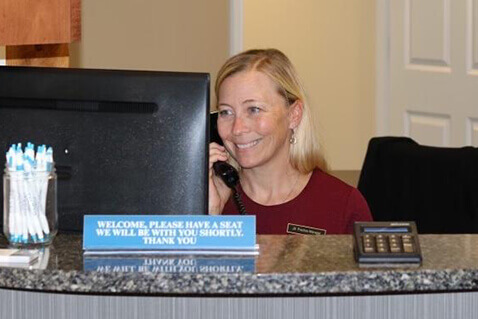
x=30, y=215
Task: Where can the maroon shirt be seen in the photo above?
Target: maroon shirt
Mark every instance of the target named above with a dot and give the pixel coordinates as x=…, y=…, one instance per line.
x=325, y=203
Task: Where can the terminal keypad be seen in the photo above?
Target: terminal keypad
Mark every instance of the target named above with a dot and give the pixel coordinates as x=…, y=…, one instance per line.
x=388, y=243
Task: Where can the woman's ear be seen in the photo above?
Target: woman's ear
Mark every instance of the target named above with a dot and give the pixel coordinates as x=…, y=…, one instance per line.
x=295, y=114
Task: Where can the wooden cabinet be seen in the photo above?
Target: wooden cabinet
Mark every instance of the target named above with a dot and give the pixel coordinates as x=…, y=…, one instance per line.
x=37, y=32
x=39, y=21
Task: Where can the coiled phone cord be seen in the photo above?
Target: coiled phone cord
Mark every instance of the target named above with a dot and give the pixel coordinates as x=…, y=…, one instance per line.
x=238, y=201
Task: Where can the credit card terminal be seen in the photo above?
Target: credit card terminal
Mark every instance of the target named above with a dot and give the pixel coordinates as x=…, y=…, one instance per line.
x=386, y=244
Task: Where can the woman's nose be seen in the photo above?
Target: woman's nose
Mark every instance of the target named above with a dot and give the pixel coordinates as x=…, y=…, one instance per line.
x=240, y=126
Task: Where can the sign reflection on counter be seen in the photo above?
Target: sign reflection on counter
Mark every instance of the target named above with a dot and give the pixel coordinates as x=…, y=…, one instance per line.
x=170, y=264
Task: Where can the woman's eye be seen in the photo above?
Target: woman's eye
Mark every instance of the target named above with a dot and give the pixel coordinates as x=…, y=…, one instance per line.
x=254, y=109
x=223, y=113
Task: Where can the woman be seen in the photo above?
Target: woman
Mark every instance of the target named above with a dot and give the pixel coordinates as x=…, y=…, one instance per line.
x=265, y=124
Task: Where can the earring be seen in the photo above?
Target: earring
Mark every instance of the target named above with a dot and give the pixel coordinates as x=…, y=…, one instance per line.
x=293, y=139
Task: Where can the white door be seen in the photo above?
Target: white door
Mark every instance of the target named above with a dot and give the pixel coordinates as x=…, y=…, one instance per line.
x=434, y=71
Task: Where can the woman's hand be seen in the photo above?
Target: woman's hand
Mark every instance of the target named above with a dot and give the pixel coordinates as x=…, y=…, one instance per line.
x=219, y=193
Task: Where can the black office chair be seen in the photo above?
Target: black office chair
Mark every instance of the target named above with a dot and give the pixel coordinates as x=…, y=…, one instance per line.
x=436, y=187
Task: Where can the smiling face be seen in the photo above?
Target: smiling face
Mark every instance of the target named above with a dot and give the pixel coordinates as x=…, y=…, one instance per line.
x=254, y=121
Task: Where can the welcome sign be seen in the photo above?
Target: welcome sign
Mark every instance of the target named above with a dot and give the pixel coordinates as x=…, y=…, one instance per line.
x=168, y=232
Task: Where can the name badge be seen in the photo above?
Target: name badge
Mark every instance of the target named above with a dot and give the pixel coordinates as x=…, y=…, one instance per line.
x=168, y=233
x=304, y=230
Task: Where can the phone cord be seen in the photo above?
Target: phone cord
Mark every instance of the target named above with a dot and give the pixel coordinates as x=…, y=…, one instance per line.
x=238, y=201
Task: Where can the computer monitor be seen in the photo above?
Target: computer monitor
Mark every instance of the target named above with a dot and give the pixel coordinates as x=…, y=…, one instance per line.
x=125, y=142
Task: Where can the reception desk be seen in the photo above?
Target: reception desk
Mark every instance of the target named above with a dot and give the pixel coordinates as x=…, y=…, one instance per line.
x=293, y=276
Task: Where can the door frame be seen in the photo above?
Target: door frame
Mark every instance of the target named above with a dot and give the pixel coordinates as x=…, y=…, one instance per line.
x=382, y=67
x=236, y=26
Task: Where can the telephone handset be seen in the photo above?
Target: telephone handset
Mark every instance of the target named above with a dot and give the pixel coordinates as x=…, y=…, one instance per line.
x=230, y=177
x=224, y=170
x=227, y=173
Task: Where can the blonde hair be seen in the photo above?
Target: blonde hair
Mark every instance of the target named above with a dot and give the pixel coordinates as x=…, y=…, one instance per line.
x=305, y=153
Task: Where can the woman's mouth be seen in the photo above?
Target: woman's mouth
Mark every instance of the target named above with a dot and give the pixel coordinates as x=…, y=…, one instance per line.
x=247, y=145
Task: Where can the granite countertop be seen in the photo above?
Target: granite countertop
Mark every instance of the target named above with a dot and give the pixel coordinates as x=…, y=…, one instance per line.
x=287, y=265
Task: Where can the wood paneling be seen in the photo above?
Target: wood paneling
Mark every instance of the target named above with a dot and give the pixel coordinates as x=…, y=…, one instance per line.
x=49, y=55
x=428, y=128
x=431, y=57
x=427, y=34
x=39, y=21
x=472, y=37
x=472, y=132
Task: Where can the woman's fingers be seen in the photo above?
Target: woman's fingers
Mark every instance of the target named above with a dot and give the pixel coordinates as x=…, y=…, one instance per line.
x=218, y=192
x=217, y=153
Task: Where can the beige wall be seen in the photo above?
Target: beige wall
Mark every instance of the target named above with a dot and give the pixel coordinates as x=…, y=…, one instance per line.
x=330, y=42
x=332, y=45
x=180, y=35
